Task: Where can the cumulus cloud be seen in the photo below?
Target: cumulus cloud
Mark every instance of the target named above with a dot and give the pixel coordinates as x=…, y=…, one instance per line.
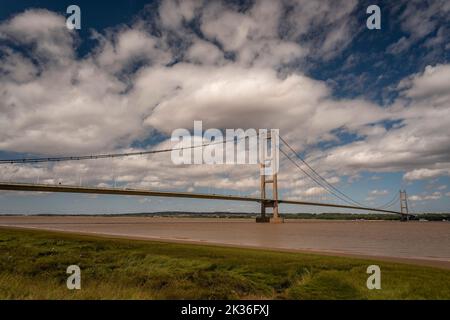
x=229, y=73
x=314, y=191
x=78, y=108
x=379, y=192
x=419, y=143
x=253, y=36
x=204, y=52
x=425, y=197
x=431, y=85
x=420, y=174
x=43, y=31
x=65, y=107
x=174, y=12
x=119, y=50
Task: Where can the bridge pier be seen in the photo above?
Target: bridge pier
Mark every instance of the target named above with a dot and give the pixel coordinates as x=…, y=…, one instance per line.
x=263, y=218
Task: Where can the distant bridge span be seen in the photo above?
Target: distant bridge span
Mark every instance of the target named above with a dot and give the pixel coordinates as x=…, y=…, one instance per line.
x=168, y=194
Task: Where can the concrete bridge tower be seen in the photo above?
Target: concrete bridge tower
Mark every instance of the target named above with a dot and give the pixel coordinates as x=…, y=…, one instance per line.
x=268, y=174
x=404, y=206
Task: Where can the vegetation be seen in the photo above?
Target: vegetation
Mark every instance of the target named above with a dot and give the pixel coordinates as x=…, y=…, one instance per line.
x=33, y=266
x=369, y=216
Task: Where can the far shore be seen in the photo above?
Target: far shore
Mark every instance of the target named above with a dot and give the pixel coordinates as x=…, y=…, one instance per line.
x=442, y=217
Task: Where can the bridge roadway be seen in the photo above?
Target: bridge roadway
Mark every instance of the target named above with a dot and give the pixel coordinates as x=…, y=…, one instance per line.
x=171, y=194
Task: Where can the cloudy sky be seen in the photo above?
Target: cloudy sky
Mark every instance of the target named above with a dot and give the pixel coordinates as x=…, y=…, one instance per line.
x=369, y=109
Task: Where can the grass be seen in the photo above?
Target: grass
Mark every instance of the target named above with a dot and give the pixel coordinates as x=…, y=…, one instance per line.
x=33, y=266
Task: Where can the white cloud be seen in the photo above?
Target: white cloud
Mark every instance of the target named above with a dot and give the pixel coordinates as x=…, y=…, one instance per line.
x=315, y=191
x=78, y=108
x=333, y=180
x=426, y=197
x=174, y=12
x=121, y=49
x=15, y=67
x=44, y=31
x=80, y=105
x=67, y=105
x=252, y=36
x=419, y=144
x=420, y=174
x=204, y=52
x=307, y=193
x=379, y=192
x=430, y=85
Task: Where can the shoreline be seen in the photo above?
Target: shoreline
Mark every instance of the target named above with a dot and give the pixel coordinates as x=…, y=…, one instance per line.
x=435, y=263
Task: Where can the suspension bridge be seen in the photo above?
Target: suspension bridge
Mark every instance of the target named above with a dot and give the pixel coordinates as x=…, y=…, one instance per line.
x=265, y=180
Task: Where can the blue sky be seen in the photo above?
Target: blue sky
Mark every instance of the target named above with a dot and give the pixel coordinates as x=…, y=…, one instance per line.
x=369, y=109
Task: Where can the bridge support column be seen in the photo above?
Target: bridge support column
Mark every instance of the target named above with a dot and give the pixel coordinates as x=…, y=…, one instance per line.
x=269, y=179
x=404, y=206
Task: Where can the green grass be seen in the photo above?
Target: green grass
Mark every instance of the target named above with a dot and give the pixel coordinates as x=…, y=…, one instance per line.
x=33, y=266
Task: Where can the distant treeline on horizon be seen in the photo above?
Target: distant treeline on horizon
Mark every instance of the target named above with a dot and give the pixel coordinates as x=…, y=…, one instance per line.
x=219, y=214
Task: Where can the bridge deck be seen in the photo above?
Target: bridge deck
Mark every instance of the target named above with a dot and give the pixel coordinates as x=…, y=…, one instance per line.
x=171, y=194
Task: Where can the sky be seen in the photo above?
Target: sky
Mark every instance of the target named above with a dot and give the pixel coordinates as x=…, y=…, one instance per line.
x=369, y=109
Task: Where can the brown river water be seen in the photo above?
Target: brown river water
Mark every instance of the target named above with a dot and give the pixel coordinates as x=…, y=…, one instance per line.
x=418, y=242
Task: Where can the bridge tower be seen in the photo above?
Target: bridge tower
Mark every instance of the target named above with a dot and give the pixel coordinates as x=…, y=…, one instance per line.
x=269, y=176
x=404, y=206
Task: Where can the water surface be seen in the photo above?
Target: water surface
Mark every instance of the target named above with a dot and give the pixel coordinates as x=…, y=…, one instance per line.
x=428, y=241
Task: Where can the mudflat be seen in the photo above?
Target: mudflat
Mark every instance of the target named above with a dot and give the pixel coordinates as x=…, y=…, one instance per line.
x=418, y=242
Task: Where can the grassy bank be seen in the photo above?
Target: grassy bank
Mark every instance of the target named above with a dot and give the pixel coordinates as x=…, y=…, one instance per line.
x=33, y=266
